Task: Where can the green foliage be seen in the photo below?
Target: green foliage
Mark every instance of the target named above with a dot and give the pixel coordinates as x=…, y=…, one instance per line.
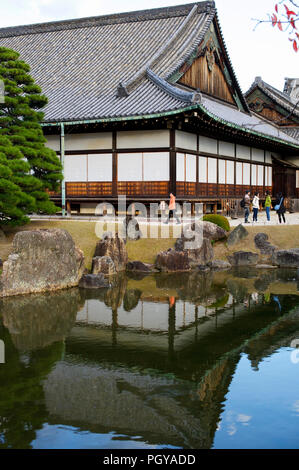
x=31, y=168
x=219, y=220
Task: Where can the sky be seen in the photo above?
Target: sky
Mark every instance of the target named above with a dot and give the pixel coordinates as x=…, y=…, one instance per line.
x=263, y=51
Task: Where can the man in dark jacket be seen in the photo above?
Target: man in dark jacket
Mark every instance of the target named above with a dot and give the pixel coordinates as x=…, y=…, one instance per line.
x=279, y=203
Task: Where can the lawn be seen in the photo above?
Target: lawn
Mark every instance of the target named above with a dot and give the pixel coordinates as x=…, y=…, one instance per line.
x=146, y=249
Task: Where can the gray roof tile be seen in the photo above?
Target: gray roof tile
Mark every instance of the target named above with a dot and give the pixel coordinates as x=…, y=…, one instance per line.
x=79, y=64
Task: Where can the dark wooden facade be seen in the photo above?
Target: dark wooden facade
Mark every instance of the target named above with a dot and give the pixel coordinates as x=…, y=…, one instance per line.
x=199, y=76
x=276, y=107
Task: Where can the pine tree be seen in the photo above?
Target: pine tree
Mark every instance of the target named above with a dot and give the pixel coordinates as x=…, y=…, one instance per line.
x=34, y=168
x=14, y=203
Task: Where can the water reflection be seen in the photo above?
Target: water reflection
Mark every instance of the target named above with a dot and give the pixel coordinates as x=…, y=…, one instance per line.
x=152, y=357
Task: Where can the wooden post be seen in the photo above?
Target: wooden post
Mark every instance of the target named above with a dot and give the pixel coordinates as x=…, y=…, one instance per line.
x=114, y=164
x=192, y=208
x=172, y=163
x=62, y=155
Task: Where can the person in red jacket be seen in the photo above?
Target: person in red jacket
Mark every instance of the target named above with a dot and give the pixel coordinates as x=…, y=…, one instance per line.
x=172, y=210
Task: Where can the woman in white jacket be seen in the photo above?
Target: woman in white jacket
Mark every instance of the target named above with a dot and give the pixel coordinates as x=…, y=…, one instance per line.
x=255, y=206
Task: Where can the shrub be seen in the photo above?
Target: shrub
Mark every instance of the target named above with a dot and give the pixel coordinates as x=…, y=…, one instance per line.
x=219, y=220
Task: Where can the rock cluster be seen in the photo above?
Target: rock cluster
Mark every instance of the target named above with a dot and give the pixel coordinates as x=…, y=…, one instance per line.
x=110, y=255
x=269, y=258
x=192, y=249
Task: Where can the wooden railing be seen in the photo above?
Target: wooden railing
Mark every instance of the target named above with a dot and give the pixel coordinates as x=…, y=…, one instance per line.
x=89, y=189
x=143, y=188
x=159, y=188
x=185, y=188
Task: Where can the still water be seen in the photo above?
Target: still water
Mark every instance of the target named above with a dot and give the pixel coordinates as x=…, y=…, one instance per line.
x=162, y=361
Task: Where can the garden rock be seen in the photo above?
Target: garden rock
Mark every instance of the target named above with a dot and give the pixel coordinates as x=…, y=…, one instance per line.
x=243, y=258
x=220, y=265
x=138, y=266
x=115, y=248
x=265, y=247
x=286, y=258
x=41, y=260
x=201, y=254
x=238, y=234
x=132, y=229
x=104, y=265
x=93, y=281
x=172, y=260
x=209, y=230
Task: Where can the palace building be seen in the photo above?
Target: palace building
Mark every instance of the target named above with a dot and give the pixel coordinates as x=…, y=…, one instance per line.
x=282, y=108
x=147, y=103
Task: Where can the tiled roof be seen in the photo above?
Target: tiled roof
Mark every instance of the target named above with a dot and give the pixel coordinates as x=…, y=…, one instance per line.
x=80, y=63
x=117, y=66
x=292, y=131
x=251, y=122
x=280, y=97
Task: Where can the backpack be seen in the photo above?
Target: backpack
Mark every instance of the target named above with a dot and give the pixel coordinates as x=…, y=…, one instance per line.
x=242, y=203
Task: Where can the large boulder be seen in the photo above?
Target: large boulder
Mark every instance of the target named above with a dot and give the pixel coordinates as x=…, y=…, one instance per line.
x=41, y=260
x=243, y=258
x=238, y=234
x=208, y=230
x=172, y=260
x=286, y=258
x=115, y=248
x=104, y=265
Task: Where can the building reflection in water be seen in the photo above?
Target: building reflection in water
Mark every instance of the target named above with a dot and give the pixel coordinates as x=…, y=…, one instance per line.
x=152, y=357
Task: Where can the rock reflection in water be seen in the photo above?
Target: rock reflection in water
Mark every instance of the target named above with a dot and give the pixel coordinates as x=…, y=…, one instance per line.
x=36, y=320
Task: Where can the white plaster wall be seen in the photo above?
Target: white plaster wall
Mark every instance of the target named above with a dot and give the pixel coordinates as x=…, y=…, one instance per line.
x=53, y=142
x=258, y=155
x=207, y=145
x=243, y=152
x=186, y=140
x=90, y=141
x=142, y=139
x=226, y=148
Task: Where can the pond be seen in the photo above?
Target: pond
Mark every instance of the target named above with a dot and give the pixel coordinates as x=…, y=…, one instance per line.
x=192, y=361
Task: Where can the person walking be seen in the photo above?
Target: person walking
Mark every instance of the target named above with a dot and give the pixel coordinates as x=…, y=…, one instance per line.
x=255, y=206
x=246, y=206
x=268, y=204
x=172, y=209
x=280, y=208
